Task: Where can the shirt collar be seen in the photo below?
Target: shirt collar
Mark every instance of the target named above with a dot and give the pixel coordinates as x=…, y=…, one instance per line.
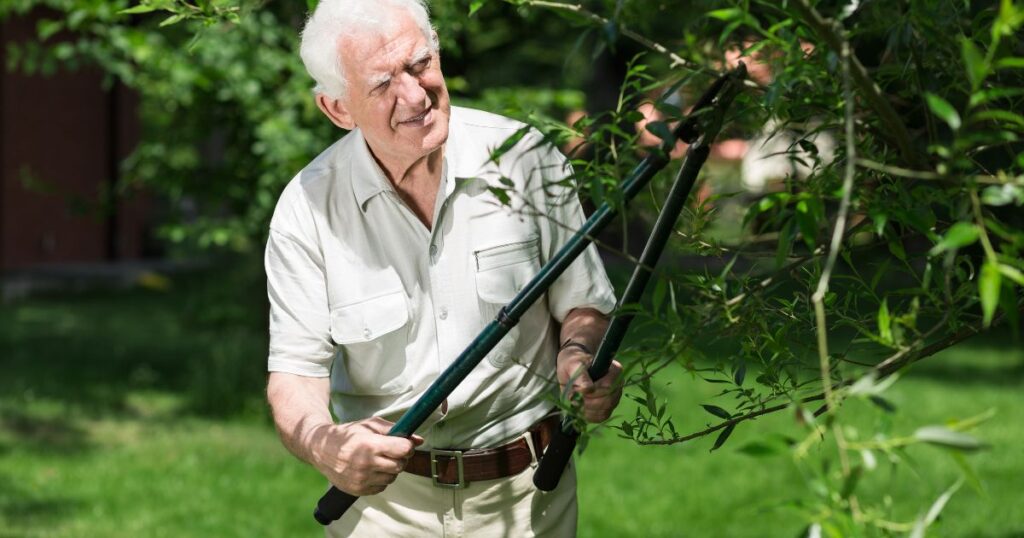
x=368, y=180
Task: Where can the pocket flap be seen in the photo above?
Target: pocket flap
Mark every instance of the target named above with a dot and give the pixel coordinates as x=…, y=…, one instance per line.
x=505, y=270
x=369, y=319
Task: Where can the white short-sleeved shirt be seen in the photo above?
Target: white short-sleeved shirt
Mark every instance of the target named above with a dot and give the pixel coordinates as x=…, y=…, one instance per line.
x=362, y=291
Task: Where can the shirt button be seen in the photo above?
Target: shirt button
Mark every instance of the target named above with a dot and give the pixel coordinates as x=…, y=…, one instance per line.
x=444, y=312
x=433, y=250
x=367, y=333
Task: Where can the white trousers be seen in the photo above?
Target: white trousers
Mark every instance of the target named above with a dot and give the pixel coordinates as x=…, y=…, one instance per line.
x=507, y=507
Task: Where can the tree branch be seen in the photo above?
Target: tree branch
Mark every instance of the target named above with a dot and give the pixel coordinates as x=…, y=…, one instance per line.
x=676, y=60
x=884, y=369
x=894, y=129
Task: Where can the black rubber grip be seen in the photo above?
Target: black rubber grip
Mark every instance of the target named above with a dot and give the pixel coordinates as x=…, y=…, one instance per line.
x=332, y=506
x=555, y=459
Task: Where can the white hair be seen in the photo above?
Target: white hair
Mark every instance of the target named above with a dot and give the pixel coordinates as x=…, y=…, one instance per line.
x=332, y=20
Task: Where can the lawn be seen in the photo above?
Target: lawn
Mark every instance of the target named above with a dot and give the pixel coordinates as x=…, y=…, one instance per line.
x=140, y=413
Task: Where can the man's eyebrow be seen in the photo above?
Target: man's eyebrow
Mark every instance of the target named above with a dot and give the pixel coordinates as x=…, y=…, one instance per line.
x=420, y=55
x=377, y=80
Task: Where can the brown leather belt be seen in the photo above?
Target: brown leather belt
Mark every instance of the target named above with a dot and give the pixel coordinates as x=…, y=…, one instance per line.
x=456, y=468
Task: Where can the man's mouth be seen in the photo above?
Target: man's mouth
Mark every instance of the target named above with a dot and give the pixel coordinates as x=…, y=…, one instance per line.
x=417, y=118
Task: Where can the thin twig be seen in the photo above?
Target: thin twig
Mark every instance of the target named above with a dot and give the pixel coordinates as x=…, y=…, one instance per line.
x=676, y=60
x=921, y=174
x=884, y=369
x=837, y=233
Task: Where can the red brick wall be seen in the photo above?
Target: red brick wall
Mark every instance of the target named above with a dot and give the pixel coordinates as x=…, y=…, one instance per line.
x=60, y=139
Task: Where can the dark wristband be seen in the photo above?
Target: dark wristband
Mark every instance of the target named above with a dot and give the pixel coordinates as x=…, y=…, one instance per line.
x=572, y=343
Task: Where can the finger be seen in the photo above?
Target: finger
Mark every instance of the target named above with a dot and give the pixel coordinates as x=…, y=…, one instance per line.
x=371, y=490
x=574, y=370
x=416, y=440
x=394, y=447
x=597, y=415
x=382, y=464
x=380, y=479
x=608, y=383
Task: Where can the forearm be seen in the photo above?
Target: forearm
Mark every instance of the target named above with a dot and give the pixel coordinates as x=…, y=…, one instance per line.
x=585, y=326
x=300, y=408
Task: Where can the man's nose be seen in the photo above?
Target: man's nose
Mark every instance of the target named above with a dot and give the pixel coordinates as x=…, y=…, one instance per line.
x=409, y=90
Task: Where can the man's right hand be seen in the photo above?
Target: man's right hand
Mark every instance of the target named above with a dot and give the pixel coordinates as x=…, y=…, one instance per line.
x=359, y=457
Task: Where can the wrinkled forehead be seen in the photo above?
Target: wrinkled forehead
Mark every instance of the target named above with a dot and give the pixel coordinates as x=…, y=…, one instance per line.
x=383, y=47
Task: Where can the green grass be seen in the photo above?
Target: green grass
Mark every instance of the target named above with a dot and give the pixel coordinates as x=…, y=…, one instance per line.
x=140, y=413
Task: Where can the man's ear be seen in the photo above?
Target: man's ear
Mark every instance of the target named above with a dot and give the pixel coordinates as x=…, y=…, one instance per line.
x=336, y=111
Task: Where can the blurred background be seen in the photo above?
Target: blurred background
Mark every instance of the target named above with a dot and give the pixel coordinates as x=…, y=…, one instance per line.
x=142, y=153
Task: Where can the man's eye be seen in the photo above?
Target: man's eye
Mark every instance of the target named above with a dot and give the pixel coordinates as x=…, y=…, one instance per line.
x=382, y=86
x=420, y=66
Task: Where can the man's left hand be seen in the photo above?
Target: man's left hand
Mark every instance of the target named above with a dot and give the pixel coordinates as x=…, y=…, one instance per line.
x=600, y=397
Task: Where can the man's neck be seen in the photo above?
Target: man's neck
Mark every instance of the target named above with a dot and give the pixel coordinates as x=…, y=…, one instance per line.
x=405, y=174
x=416, y=182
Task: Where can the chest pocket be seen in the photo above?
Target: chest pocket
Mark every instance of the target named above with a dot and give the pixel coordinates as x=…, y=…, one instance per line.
x=501, y=272
x=373, y=334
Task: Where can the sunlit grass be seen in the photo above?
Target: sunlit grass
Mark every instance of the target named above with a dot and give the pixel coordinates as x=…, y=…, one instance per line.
x=140, y=414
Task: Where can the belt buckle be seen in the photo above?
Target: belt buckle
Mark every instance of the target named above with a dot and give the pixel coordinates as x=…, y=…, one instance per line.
x=457, y=454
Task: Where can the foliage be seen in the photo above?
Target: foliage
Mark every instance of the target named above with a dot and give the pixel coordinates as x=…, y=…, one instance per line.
x=905, y=241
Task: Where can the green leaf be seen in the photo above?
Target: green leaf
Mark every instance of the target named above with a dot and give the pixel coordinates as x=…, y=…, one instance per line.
x=968, y=472
x=958, y=236
x=173, y=19
x=933, y=512
x=882, y=403
x=761, y=448
x=1010, y=63
x=885, y=322
x=727, y=14
x=999, y=116
x=475, y=5
x=741, y=373
x=977, y=67
x=989, y=282
x=945, y=111
x=986, y=95
x=808, y=223
x=850, y=484
x=1000, y=195
x=141, y=8
x=47, y=28
x=896, y=248
x=947, y=438
x=509, y=143
x=717, y=411
x=1012, y=273
x=870, y=385
x=659, y=129
x=722, y=437
x=501, y=194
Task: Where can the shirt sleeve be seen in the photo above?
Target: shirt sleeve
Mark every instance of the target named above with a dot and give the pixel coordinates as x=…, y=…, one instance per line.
x=300, y=341
x=584, y=284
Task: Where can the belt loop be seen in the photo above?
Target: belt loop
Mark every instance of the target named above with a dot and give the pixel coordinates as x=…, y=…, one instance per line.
x=528, y=437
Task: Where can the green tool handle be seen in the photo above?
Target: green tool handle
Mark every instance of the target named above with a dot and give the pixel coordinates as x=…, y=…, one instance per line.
x=335, y=502
x=562, y=444
x=714, y=101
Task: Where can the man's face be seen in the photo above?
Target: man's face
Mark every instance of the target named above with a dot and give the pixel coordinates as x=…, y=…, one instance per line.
x=396, y=93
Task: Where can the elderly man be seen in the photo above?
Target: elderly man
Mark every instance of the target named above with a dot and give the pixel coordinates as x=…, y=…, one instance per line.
x=387, y=254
